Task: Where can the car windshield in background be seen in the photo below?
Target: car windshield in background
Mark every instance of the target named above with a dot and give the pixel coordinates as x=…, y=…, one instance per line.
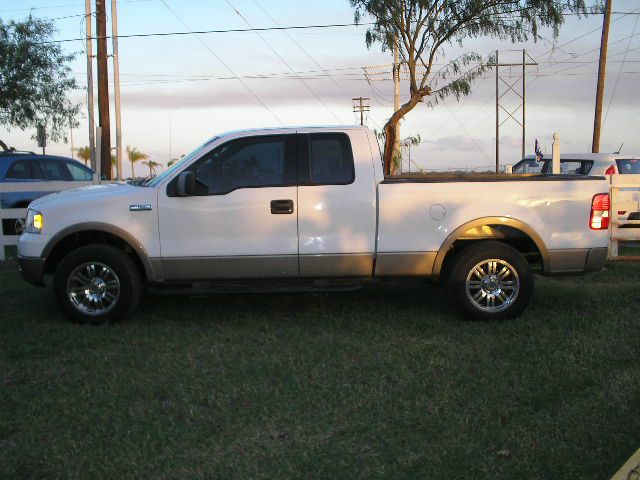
x=628, y=166
x=529, y=166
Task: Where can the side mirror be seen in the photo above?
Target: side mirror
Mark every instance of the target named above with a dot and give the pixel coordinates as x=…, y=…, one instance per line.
x=186, y=184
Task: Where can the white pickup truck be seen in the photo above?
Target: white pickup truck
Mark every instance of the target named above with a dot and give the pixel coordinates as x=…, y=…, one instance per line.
x=302, y=208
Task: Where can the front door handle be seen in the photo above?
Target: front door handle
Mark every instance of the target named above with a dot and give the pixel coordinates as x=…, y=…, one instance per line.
x=281, y=207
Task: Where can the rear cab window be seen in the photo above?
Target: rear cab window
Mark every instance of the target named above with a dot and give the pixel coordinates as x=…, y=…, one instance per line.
x=325, y=159
x=628, y=166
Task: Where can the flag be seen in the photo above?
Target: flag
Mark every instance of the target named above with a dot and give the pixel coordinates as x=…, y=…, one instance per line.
x=539, y=155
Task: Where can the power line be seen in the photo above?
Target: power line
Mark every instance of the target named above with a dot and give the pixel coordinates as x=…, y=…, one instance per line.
x=202, y=32
x=623, y=14
x=615, y=87
x=281, y=58
x=64, y=6
x=253, y=94
x=315, y=62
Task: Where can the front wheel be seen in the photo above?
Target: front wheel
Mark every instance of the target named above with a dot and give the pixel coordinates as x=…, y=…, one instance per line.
x=490, y=281
x=97, y=284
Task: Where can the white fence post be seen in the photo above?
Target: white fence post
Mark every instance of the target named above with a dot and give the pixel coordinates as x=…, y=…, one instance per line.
x=555, y=154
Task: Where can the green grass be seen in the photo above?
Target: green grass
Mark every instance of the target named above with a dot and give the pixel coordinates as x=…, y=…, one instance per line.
x=381, y=383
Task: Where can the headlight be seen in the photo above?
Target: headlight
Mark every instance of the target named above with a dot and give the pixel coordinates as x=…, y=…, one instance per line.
x=34, y=221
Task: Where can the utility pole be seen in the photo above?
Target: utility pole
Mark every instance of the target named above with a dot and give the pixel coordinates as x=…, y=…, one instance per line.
x=103, y=90
x=602, y=68
x=524, y=101
x=92, y=141
x=361, y=105
x=396, y=96
x=116, y=86
x=497, y=113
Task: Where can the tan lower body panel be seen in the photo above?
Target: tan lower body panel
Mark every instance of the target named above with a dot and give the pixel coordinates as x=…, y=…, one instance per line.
x=576, y=260
x=247, y=267
x=405, y=264
x=336, y=265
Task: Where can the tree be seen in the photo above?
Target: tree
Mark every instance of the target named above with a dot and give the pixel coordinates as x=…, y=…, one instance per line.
x=135, y=155
x=422, y=28
x=84, y=153
x=152, y=166
x=35, y=78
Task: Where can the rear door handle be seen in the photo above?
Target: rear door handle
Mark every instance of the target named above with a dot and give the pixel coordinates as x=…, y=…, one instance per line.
x=281, y=207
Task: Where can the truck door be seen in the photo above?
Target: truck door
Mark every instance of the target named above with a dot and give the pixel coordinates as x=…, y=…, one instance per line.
x=336, y=204
x=243, y=222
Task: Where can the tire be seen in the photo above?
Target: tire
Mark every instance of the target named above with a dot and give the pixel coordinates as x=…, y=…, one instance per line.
x=490, y=281
x=97, y=284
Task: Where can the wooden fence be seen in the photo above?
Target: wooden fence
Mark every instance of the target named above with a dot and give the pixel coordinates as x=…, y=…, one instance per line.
x=15, y=213
x=624, y=191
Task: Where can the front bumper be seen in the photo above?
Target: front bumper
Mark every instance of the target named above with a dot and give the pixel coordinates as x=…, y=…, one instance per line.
x=32, y=269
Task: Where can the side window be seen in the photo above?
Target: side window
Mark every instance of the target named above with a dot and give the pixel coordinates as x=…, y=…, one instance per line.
x=19, y=170
x=243, y=163
x=78, y=172
x=331, y=159
x=575, y=167
x=53, y=169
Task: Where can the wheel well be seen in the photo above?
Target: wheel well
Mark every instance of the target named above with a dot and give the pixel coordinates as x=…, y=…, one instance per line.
x=511, y=236
x=89, y=237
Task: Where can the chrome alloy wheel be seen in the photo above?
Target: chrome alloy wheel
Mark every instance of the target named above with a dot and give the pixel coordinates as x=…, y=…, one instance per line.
x=492, y=285
x=93, y=288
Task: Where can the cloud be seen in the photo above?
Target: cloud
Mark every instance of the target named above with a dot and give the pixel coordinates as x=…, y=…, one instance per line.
x=460, y=143
x=230, y=93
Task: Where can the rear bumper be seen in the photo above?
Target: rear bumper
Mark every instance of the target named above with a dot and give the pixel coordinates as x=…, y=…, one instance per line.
x=32, y=269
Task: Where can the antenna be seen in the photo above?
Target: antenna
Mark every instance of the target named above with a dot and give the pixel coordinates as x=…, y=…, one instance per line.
x=619, y=150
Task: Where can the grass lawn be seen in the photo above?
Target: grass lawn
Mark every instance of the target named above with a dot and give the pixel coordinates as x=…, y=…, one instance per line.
x=381, y=383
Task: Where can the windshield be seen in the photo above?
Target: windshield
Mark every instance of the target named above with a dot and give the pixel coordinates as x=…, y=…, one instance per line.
x=154, y=182
x=628, y=166
x=529, y=166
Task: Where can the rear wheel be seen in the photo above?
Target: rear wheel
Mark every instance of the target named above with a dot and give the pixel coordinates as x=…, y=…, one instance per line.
x=489, y=281
x=97, y=284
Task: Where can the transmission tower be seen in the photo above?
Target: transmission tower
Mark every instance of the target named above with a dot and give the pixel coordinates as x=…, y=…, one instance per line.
x=517, y=87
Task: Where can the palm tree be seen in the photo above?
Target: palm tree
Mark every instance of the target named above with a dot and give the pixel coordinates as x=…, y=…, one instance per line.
x=84, y=153
x=174, y=160
x=135, y=155
x=152, y=166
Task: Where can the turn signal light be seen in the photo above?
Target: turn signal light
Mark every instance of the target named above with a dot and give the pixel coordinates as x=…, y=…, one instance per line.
x=610, y=171
x=600, y=212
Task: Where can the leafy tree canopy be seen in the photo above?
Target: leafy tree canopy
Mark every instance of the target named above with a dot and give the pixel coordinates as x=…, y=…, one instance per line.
x=423, y=28
x=35, y=78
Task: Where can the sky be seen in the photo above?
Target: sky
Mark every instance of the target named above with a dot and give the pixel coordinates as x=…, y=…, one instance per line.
x=177, y=91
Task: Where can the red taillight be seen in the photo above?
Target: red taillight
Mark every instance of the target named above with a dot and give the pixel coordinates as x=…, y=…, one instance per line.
x=610, y=171
x=600, y=212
